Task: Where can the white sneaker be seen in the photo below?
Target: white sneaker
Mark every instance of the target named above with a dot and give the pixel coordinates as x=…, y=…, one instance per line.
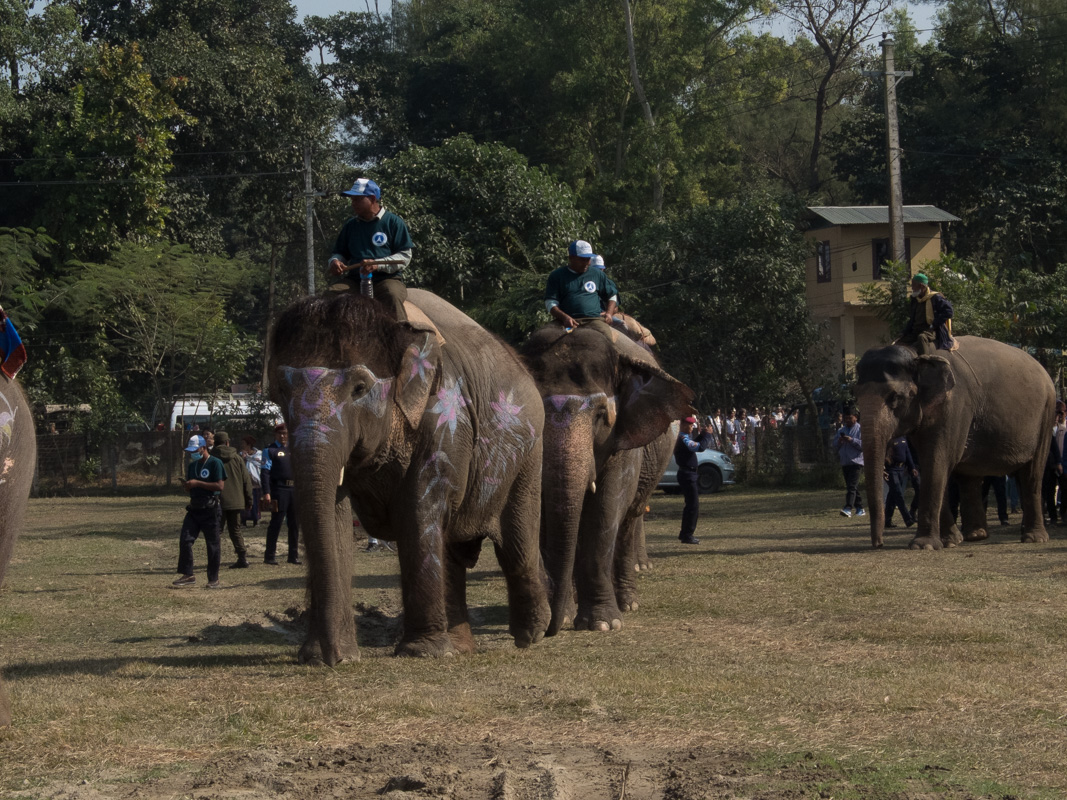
x=846, y=512
x=861, y=513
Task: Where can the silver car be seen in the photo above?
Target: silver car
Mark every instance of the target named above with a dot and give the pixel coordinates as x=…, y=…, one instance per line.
x=714, y=470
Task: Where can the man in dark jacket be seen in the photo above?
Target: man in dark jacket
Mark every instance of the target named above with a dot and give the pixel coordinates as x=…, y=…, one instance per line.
x=929, y=327
x=899, y=467
x=277, y=478
x=685, y=456
x=236, y=494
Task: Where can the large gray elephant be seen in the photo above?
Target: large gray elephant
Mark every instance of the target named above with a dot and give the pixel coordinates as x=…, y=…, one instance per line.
x=18, y=460
x=608, y=411
x=438, y=445
x=984, y=409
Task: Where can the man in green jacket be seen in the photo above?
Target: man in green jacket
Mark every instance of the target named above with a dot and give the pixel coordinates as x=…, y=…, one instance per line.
x=236, y=494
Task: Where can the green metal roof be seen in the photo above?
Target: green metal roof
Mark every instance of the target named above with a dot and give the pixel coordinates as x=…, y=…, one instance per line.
x=879, y=215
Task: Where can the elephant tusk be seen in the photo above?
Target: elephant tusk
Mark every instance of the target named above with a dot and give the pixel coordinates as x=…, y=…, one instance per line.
x=341, y=479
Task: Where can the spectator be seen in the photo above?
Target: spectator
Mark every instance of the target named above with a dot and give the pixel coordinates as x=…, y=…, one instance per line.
x=899, y=466
x=277, y=477
x=254, y=464
x=204, y=478
x=236, y=494
x=1050, y=480
x=1059, y=435
x=685, y=456
x=999, y=485
x=849, y=446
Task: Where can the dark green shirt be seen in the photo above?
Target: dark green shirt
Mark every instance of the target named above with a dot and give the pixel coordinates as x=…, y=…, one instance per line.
x=208, y=470
x=378, y=238
x=584, y=295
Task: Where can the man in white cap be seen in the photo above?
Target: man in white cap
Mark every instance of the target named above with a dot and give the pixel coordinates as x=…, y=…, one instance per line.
x=204, y=479
x=374, y=244
x=576, y=294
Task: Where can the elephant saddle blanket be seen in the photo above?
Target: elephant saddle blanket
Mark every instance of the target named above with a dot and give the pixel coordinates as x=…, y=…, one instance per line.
x=418, y=321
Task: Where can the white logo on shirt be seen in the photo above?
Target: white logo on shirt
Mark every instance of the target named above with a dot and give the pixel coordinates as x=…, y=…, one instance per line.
x=590, y=287
x=379, y=239
x=204, y=473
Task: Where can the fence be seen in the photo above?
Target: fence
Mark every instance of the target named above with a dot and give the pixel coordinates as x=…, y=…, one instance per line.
x=149, y=458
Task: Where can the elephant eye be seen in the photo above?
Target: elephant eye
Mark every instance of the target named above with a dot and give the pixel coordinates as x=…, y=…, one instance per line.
x=359, y=389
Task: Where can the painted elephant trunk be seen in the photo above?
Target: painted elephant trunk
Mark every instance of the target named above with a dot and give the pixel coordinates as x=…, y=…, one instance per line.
x=326, y=524
x=876, y=431
x=564, y=490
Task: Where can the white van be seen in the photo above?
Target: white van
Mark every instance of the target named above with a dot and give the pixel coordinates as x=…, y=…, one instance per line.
x=205, y=410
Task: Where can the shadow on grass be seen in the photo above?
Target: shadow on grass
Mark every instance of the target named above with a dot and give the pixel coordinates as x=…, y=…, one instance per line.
x=106, y=666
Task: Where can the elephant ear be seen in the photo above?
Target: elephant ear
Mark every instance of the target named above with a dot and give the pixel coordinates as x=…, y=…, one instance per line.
x=649, y=398
x=935, y=380
x=418, y=369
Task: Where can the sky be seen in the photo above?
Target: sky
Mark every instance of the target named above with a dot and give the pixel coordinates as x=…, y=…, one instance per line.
x=921, y=13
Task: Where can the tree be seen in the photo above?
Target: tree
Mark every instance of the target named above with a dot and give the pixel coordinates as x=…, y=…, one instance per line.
x=102, y=159
x=160, y=312
x=722, y=288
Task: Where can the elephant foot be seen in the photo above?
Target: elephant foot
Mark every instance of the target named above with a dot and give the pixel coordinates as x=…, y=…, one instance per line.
x=977, y=535
x=599, y=620
x=436, y=645
x=1034, y=535
x=312, y=652
x=643, y=566
x=953, y=537
x=925, y=543
x=462, y=638
x=531, y=628
x=627, y=601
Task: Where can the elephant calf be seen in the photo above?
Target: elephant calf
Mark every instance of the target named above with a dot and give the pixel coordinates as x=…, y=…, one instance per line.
x=437, y=445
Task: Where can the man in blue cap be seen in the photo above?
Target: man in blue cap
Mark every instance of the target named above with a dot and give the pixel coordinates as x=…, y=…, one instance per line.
x=376, y=245
x=929, y=327
x=204, y=479
x=577, y=295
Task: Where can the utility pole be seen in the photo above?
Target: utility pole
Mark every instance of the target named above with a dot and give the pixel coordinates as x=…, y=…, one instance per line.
x=309, y=199
x=896, y=192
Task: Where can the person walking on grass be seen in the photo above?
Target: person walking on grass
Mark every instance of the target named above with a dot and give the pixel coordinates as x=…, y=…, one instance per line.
x=236, y=494
x=849, y=446
x=204, y=478
x=691, y=440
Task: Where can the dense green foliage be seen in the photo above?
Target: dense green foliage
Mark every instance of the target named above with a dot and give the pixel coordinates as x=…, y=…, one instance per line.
x=683, y=138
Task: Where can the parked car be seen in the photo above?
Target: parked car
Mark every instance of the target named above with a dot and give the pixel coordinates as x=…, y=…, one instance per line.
x=714, y=470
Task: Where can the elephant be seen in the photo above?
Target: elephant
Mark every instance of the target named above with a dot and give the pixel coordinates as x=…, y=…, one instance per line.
x=432, y=430
x=608, y=411
x=984, y=409
x=18, y=460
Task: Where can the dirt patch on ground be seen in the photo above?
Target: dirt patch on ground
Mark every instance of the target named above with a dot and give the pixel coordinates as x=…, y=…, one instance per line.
x=502, y=771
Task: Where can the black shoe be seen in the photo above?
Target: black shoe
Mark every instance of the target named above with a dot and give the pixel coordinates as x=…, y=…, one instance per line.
x=240, y=563
x=689, y=540
x=909, y=523
x=889, y=525
x=1005, y=522
x=271, y=562
x=296, y=561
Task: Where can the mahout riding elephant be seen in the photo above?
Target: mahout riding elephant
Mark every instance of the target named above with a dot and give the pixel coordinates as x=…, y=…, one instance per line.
x=984, y=409
x=18, y=460
x=608, y=411
x=435, y=435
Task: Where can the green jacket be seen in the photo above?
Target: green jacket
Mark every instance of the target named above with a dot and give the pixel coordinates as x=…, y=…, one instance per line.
x=237, y=490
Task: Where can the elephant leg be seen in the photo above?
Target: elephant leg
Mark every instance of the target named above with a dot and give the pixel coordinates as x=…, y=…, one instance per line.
x=424, y=571
x=459, y=557
x=933, y=506
x=642, y=563
x=520, y=559
x=1029, y=479
x=331, y=634
x=597, y=541
x=972, y=510
x=630, y=531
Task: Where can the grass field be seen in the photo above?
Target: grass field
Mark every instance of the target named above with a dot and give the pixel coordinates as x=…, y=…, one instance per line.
x=780, y=658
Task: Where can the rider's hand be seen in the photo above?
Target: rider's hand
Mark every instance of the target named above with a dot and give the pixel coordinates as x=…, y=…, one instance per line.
x=367, y=266
x=337, y=267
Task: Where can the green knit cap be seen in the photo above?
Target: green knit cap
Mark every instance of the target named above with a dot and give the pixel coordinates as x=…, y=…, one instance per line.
x=918, y=277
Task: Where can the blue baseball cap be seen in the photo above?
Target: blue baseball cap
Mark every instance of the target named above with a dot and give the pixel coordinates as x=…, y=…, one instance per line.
x=195, y=443
x=364, y=187
x=581, y=248
x=598, y=262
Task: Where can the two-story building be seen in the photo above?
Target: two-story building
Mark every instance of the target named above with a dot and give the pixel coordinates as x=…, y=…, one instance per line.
x=851, y=245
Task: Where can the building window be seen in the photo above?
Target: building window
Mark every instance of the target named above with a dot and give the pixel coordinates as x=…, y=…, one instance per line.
x=880, y=255
x=822, y=261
